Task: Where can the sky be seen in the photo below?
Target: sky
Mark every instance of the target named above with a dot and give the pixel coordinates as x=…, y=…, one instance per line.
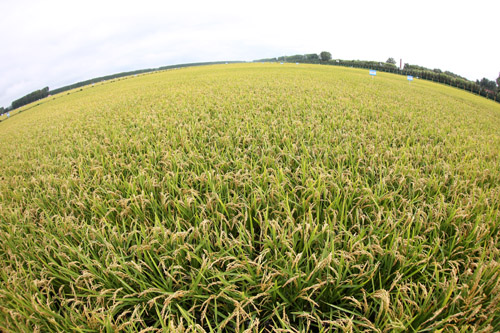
x=59, y=42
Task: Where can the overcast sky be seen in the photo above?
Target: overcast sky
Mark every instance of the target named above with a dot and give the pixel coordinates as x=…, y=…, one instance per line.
x=58, y=42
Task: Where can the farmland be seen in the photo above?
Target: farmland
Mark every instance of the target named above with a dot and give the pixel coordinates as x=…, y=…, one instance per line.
x=252, y=197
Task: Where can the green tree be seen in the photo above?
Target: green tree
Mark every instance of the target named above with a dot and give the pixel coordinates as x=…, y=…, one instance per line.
x=31, y=97
x=325, y=56
x=498, y=82
x=312, y=57
x=391, y=61
x=487, y=84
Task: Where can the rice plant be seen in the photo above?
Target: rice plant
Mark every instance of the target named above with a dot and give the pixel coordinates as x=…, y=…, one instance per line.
x=252, y=198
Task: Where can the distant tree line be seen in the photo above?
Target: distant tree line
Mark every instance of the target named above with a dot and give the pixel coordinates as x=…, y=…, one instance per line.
x=31, y=97
x=486, y=88
x=487, y=84
x=97, y=80
x=376, y=65
x=311, y=58
x=304, y=58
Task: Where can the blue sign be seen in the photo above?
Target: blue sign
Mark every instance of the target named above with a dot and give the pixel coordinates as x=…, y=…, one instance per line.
x=373, y=72
x=410, y=78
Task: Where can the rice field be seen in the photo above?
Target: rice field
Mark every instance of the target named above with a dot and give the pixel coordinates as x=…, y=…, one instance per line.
x=252, y=198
